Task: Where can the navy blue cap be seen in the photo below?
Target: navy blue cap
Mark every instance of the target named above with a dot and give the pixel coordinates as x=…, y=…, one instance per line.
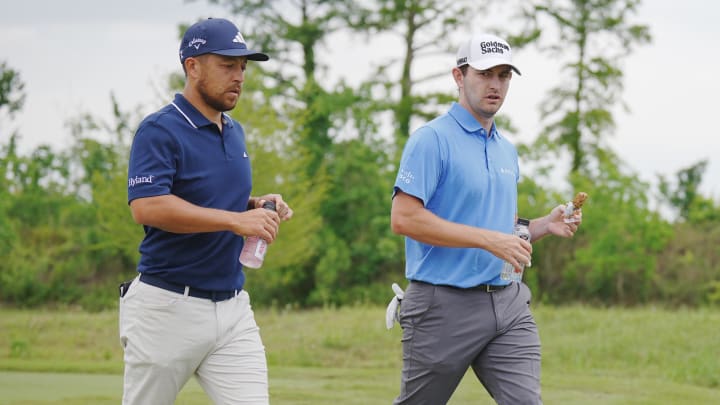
x=218, y=36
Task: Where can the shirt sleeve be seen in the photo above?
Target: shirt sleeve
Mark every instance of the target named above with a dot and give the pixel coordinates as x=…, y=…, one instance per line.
x=421, y=165
x=153, y=162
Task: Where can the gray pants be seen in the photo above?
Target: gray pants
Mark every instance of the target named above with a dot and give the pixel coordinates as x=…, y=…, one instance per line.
x=446, y=330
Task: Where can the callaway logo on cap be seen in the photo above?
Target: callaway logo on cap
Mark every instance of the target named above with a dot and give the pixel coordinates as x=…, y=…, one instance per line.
x=218, y=36
x=485, y=51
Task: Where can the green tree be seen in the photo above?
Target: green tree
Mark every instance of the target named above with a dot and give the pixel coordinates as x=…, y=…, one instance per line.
x=419, y=24
x=615, y=255
x=689, y=267
x=68, y=211
x=12, y=95
x=685, y=193
x=39, y=206
x=324, y=124
x=704, y=210
x=277, y=168
x=291, y=32
x=101, y=151
x=591, y=38
x=8, y=159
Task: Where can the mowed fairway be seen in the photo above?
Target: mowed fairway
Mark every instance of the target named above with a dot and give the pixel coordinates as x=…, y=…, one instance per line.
x=346, y=356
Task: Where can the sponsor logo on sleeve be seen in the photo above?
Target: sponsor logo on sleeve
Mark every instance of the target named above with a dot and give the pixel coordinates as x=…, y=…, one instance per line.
x=133, y=181
x=406, y=176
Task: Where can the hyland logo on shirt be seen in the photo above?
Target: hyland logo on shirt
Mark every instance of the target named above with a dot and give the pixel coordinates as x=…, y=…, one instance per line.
x=132, y=181
x=197, y=42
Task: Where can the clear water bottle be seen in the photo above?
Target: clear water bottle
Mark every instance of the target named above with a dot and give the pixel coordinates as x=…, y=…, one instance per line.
x=509, y=272
x=253, y=252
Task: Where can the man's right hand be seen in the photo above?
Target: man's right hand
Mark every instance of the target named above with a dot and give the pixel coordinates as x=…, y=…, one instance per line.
x=512, y=249
x=410, y=218
x=257, y=222
x=173, y=214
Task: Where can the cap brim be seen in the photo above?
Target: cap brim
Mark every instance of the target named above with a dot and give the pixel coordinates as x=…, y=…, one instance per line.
x=249, y=53
x=489, y=63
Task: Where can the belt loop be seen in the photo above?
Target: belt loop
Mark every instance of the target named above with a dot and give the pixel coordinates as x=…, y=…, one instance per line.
x=187, y=290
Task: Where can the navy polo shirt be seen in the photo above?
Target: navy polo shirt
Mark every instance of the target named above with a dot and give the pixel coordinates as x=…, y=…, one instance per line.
x=178, y=151
x=464, y=175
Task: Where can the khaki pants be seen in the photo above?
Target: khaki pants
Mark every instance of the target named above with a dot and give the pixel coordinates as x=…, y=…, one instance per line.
x=169, y=337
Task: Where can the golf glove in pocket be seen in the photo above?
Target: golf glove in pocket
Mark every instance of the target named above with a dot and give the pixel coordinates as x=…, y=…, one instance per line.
x=391, y=314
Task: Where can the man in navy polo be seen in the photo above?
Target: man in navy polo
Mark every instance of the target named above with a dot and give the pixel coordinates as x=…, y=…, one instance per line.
x=455, y=201
x=189, y=185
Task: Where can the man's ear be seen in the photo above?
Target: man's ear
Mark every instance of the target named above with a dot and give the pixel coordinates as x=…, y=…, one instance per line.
x=458, y=76
x=192, y=67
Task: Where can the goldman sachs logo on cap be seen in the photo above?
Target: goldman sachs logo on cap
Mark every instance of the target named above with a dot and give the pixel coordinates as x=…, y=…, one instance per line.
x=493, y=47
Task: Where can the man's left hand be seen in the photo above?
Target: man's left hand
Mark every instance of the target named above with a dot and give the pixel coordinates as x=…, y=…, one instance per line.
x=281, y=207
x=557, y=226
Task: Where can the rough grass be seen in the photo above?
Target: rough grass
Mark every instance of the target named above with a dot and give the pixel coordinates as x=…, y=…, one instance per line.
x=346, y=356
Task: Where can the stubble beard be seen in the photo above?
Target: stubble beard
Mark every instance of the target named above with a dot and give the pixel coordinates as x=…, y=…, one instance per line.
x=216, y=103
x=487, y=112
x=478, y=106
x=489, y=109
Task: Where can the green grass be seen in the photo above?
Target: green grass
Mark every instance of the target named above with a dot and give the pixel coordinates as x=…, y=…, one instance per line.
x=346, y=356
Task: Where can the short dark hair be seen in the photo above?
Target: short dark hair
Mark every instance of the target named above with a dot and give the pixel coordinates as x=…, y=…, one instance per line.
x=463, y=69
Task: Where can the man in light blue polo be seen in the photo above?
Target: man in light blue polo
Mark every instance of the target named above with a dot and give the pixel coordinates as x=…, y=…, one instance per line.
x=455, y=201
x=189, y=185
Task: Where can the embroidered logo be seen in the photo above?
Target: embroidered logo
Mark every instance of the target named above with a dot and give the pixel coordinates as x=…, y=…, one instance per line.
x=132, y=181
x=197, y=42
x=505, y=170
x=494, y=47
x=406, y=176
x=245, y=154
x=239, y=38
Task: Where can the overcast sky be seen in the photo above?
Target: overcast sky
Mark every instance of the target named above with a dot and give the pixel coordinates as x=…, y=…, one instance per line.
x=71, y=54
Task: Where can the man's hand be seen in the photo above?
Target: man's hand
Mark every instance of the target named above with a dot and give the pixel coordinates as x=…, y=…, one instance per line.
x=281, y=207
x=557, y=226
x=512, y=249
x=257, y=222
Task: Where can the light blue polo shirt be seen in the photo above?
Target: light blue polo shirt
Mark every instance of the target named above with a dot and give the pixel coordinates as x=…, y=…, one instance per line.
x=466, y=176
x=178, y=151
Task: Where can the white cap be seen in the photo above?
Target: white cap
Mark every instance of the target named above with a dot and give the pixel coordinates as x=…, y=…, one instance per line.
x=485, y=51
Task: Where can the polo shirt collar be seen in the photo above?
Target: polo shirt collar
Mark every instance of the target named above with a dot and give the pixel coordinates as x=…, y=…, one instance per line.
x=468, y=122
x=193, y=116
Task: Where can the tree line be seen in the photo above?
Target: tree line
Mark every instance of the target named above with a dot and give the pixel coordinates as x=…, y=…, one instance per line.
x=67, y=236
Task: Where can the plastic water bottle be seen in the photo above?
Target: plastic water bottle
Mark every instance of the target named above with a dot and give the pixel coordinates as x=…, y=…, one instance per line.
x=253, y=252
x=509, y=272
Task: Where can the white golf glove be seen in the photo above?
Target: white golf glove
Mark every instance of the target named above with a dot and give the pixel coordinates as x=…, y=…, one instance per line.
x=391, y=315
